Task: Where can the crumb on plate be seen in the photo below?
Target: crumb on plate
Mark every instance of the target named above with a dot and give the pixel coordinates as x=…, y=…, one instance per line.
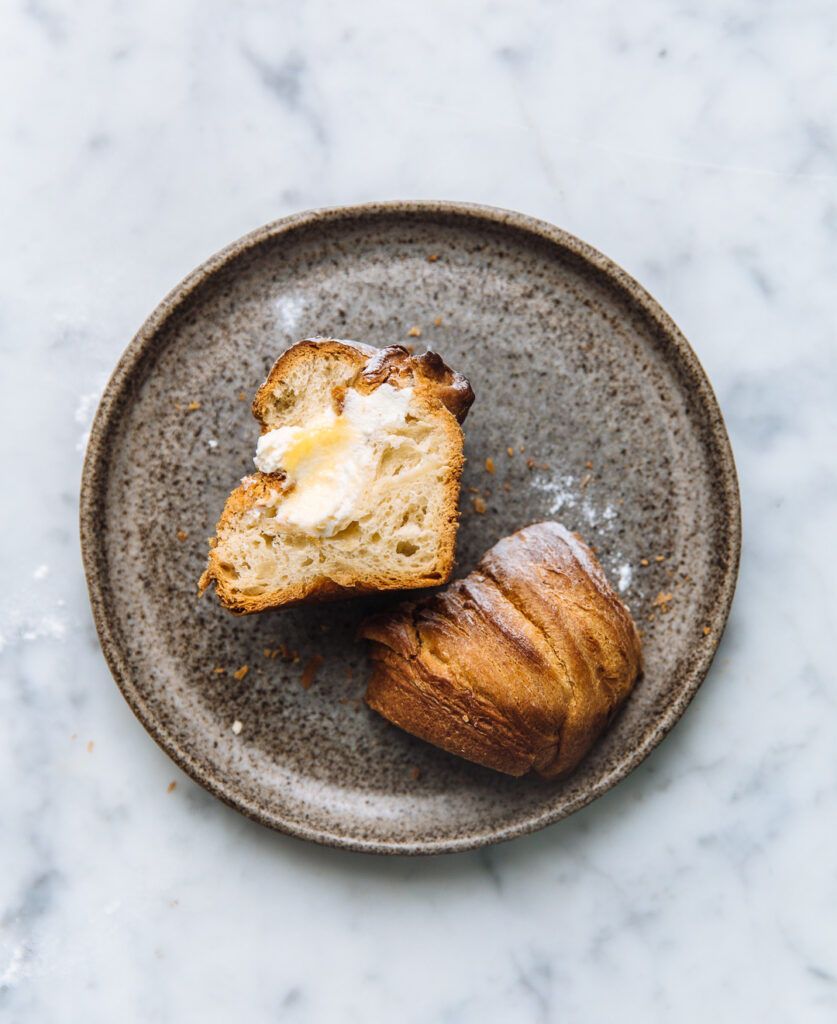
x=310, y=670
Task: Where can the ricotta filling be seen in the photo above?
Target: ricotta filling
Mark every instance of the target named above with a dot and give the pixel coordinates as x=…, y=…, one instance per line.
x=330, y=461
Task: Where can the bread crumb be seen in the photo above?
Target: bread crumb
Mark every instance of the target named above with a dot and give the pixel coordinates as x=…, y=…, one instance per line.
x=643, y=561
x=193, y=407
x=506, y=487
x=489, y=466
x=586, y=481
x=661, y=600
x=670, y=574
x=310, y=670
x=621, y=501
x=486, y=493
x=242, y=397
x=474, y=490
x=237, y=727
x=349, y=672
x=465, y=718
x=659, y=558
x=530, y=463
x=90, y=747
x=177, y=406
x=182, y=535
x=651, y=617
x=171, y=787
x=416, y=774
x=437, y=322
x=218, y=671
x=432, y=257
x=241, y=673
x=687, y=578
x=523, y=447
x=544, y=465
x=588, y=464
x=414, y=331
x=706, y=630
x=479, y=505
x=74, y=736
x=267, y=652
x=374, y=743
x=510, y=450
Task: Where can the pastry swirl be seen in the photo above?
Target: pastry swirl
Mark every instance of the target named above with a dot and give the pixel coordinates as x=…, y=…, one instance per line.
x=520, y=666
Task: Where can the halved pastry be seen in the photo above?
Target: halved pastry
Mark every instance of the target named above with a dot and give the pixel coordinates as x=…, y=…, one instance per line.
x=358, y=479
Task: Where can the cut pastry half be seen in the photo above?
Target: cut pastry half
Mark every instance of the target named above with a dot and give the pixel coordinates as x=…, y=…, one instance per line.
x=357, y=486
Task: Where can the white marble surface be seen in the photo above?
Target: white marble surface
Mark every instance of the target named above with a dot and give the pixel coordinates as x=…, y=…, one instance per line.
x=696, y=144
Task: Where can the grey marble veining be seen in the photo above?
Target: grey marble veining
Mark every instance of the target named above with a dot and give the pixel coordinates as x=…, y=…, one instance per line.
x=694, y=144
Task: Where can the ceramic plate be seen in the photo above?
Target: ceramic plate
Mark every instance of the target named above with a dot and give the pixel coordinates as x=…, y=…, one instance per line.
x=613, y=430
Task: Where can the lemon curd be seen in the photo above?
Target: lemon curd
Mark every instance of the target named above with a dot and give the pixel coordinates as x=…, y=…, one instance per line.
x=330, y=461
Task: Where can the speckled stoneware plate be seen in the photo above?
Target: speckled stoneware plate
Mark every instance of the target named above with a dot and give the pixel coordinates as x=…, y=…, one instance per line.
x=614, y=431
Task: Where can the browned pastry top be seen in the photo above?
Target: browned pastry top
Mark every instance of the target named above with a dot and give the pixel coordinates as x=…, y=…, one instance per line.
x=427, y=373
x=396, y=366
x=519, y=666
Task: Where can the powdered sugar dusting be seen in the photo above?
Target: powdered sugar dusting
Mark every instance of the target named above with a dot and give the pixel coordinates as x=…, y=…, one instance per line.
x=85, y=410
x=14, y=970
x=289, y=310
x=567, y=493
x=50, y=626
x=560, y=490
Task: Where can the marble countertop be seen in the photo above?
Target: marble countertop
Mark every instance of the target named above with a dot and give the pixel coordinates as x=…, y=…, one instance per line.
x=694, y=144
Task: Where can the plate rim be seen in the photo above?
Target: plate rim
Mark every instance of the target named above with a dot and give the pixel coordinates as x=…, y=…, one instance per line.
x=95, y=472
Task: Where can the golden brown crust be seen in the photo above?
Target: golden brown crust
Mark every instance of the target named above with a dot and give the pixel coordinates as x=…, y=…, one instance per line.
x=436, y=389
x=428, y=374
x=518, y=667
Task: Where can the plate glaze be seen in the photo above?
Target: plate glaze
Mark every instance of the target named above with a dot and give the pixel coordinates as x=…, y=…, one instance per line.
x=615, y=432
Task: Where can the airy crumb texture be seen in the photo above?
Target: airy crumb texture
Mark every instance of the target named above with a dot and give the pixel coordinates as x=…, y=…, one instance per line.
x=404, y=532
x=519, y=667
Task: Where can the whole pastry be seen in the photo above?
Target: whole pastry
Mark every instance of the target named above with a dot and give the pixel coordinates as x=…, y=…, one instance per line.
x=520, y=666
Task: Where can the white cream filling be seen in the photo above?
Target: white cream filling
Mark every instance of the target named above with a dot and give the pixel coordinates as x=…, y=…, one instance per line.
x=330, y=461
